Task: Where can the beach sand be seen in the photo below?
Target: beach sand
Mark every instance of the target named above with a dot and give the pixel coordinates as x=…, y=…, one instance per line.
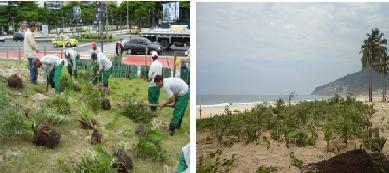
x=250, y=156
x=207, y=112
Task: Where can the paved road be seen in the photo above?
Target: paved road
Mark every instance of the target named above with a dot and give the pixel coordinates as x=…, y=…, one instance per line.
x=108, y=47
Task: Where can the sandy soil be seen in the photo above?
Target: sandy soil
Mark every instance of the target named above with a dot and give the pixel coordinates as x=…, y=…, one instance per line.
x=250, y=156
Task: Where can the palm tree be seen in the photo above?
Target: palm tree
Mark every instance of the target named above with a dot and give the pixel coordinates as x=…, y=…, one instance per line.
x=382, y=67
x=372, y=49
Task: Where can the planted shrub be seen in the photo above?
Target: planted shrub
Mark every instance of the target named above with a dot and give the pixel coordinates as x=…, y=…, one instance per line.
x=12, y=122
x=137, y=113
x=48, y=114
x=93, y=97
x=266, y=169
x=60, y=103
x=141, y=129
x=149, y=146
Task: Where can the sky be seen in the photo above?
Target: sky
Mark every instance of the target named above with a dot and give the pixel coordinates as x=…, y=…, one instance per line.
x=277, y=48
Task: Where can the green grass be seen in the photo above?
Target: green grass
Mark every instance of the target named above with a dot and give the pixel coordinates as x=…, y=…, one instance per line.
x=118, y=131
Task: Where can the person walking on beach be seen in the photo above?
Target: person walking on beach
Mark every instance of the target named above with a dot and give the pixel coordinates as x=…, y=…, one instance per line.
x=52, y=69
x=155, y=69
x=30, y=49
x=104, y=66
x=72, y=57
x=178, y=94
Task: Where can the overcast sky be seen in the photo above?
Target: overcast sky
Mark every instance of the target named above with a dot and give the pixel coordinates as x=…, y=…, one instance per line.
x=275, y=48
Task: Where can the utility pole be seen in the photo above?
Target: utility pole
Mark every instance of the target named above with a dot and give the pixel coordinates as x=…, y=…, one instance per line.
x=128, y=17
x=106, y=20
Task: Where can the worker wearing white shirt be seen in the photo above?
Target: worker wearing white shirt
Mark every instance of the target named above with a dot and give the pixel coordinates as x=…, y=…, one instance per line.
x=72, y=57
x=178, y=93
x=52, y=70
x=104, y=65
x=184, y=160
x=30, y=49
x=155, y=69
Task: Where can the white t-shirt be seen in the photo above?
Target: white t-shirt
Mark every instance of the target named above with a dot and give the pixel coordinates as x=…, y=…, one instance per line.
x=73, y=55
x=175, y=86
x=103, y=62
x=48, y=64
x=155, y=69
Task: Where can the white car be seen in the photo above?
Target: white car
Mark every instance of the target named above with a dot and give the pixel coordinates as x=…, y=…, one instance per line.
x=2, y=39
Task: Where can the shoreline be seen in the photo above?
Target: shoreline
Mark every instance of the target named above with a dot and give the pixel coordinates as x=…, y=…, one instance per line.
x=208, y=111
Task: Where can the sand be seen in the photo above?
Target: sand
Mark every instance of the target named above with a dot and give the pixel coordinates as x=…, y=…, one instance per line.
x=250, y=156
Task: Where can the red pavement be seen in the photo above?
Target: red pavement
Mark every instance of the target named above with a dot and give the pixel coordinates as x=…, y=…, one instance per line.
x=131, y=59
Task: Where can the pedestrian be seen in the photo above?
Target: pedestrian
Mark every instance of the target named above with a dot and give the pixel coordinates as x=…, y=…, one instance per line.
x=95, y=49
x=154, y=91
x=178, y=93
x=52, y=69
x=104, y=66
x=73, y=58
x=119, y=48
x=184, y=160
x=30, y=49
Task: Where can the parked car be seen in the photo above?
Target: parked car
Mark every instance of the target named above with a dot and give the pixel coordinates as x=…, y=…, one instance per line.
x=2, y=39
x=18, y=36
x=66, y=40
x=138, y=44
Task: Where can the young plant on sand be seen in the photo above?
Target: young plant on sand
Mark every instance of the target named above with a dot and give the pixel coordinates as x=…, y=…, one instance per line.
x=212, y=162
x=295, y=161
x=266, y=169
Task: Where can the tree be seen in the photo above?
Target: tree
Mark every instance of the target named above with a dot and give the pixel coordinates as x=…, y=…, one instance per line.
x=372, y=49
x=382, y=67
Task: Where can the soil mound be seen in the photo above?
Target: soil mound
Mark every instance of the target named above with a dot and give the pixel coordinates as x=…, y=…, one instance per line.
x=141, y=129
x=14, y=81
x=105, y=90
x=105, y=104
x=46, y=135
x=124, y=161
x=355, y=161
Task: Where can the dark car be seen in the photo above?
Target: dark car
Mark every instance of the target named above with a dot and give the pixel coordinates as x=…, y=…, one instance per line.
x=138, y=44
x=18, y=36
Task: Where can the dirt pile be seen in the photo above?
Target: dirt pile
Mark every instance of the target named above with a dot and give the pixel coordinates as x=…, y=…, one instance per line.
x=14, y=81
x=124, y=161
x=96, y=137
x=105, y=90
x=46, y=135
x=105, y=104
x=355, y=161
x=141, y=129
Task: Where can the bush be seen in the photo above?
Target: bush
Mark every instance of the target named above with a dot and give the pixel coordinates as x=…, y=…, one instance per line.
x=149, y=146
x=12, y=122
x=266, y=169
x=48, y=114
x=93, y=97
x=59, y=103
x=137, y=113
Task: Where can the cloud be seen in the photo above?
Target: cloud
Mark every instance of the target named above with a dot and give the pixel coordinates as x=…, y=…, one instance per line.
x=291, y=38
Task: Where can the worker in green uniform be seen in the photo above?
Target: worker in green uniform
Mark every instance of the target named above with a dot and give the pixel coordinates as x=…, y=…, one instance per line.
x=73, y=58
x=183, y=160
x=178, y=93
x=153, y=91
x=104, y=66
x=52, y=69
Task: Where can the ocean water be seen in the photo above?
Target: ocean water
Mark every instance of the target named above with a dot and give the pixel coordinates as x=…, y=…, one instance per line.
x=223, y=100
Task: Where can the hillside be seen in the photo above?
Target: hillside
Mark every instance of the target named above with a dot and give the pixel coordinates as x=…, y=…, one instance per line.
x=356, y=83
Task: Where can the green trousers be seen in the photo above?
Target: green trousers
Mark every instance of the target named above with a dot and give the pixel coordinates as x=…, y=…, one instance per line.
x=179, y=109
x=106, y=74
x=153, y=95
x=73, y=67
x=56, y=77
x=181, y=167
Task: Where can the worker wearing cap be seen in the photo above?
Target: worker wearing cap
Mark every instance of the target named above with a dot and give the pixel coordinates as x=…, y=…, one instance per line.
x=155, y=69
x=104, y=66
x=52, y=70
x=178, y=93
x=72, y=57
x=183, y=160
